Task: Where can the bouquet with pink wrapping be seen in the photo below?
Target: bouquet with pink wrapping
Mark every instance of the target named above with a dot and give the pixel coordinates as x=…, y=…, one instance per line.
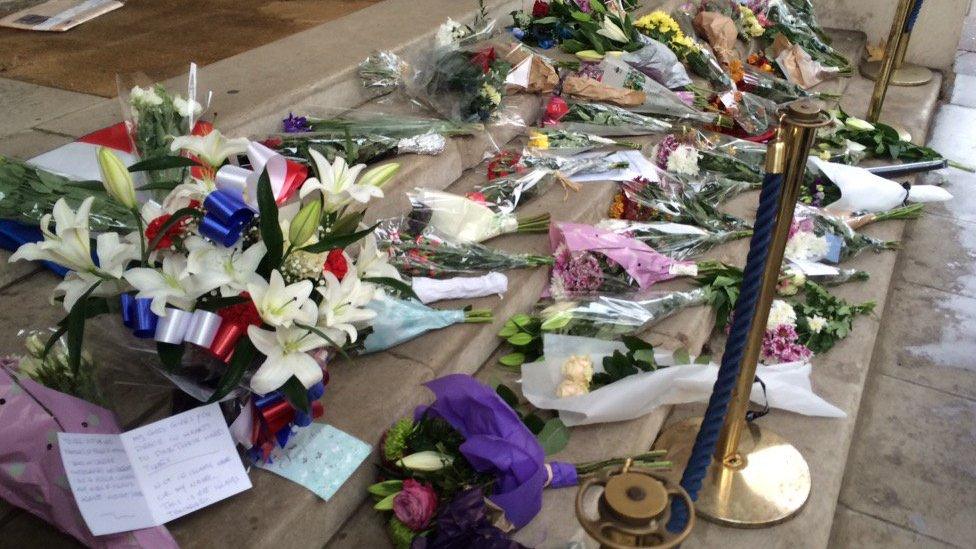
x=591, y=261
x=32, y=476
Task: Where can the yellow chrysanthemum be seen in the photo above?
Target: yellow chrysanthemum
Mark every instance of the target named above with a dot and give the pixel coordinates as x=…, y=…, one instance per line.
x=538, y=140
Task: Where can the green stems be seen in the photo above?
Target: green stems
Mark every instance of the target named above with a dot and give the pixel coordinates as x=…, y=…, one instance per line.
x=142, y=237
x=534, y=224
x=478, y=316
x=647, y=460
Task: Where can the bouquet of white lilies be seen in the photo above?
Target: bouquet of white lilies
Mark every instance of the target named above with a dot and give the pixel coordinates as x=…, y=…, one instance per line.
x=241, y=272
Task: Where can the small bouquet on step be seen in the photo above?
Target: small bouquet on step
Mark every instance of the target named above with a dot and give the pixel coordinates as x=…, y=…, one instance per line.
x=466, y=471
x=416, y=249
x=675, y=240
x=601, y=119
x=594, y=261
x=466, y=220
x=670, y=200
x=600, y=317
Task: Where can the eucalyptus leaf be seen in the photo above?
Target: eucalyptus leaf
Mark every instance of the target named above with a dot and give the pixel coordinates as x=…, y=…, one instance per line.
x=554, y=436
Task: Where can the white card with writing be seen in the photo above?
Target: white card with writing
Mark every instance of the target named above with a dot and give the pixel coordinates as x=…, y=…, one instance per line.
x=153, y=474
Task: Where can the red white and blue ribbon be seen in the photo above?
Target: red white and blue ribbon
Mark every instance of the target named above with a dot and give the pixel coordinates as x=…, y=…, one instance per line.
x=226, y=217
x=285, y=176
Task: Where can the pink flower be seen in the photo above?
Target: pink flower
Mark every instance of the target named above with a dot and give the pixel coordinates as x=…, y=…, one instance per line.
x=415, y=505
x=579, y=271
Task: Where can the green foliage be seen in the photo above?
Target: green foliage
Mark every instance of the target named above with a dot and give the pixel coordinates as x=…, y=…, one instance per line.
x=838, y=314
x=638, y=358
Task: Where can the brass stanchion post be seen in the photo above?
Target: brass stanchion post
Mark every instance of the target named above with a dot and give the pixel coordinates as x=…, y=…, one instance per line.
x=903, y=74
x=887, y=66
x=756, y=478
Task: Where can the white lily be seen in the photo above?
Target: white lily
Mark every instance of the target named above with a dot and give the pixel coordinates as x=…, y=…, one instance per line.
x=113, y=255
x=229, y=269
x=69, y=245
x=286, y=355
x=172, y=284
x=373, y=263
x=342, y=308
x=281, y=305
x=612, y=31
x=338, y=183
x=211, y=149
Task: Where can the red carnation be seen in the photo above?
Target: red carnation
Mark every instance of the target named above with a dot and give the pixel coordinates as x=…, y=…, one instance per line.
x=336, y=263
x=242, y=314
x=556, y=109
x=484, y=59
x=477, y=197
x=152, y=230
x=540, y=9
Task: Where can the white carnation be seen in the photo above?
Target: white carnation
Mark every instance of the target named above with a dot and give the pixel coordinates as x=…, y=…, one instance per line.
x=683, y=160
x=816, y=323
x=806, y=246
x=145, y=96
x=450, y=33
x=780, y=313
x=186, y=107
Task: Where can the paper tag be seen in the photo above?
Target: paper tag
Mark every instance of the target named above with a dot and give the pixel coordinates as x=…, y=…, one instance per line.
x=834, y=246
x=153, y=474
x=813, y=268
x=319, y=457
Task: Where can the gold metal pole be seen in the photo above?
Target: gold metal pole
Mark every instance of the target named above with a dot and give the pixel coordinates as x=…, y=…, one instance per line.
x=888, y=63
x=904, y=74
x=757, y=478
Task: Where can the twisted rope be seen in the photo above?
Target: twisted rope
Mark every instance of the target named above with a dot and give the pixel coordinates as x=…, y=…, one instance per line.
x=913, y=16
x=745, y=310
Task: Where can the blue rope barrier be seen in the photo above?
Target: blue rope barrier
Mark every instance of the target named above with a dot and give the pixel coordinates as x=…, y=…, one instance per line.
x=913, y=16
x=745, y=310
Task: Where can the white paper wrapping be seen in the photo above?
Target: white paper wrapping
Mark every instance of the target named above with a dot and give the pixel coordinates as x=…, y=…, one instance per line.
x=787, y=385
x=430, y=290
x=862, y=191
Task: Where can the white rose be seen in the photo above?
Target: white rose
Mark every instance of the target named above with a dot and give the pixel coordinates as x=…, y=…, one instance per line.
x=816, y=323
x=569, y=388
x=578, y=368
x=780, y=313
x=186, y=108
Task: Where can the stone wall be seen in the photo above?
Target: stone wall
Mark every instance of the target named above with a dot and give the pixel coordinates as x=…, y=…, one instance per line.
x=934, y=39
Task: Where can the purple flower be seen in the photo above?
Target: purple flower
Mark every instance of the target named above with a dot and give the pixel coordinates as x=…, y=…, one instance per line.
x=782, y=344
x=583, y=5
x=579, y=272
x=296, y=124
x=664, y=149
x=464, y=524
x=415, y=504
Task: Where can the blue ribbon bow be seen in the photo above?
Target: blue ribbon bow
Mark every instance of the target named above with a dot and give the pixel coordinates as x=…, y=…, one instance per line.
x=137, y=315
x=227, y=216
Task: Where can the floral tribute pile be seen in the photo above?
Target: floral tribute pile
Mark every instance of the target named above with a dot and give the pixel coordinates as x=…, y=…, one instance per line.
x=243, y=269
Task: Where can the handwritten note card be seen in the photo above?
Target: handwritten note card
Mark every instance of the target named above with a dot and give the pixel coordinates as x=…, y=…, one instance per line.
x=153, y=474
x=319, y=457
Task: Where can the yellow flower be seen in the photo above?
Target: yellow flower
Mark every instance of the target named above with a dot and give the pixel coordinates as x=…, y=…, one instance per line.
x=617, y=206
x=538, y=140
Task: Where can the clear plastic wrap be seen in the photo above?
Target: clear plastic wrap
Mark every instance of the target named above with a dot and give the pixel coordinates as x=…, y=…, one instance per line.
x=607, y=317
x=28, y=193
x=609, y=120
x=671, y=200
x=338, y=122
x=466, y=220
x=792, y=25
x=674, y=240
x=658, y=62
x=843, y=242
x=416, y=249
x=570, y=143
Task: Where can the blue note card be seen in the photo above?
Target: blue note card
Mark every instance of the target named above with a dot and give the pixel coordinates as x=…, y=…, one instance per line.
x=834, y=245
x=318, y=457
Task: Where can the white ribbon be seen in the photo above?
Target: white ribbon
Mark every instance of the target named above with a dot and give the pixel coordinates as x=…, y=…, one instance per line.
x=198, y=327
x=244, y=181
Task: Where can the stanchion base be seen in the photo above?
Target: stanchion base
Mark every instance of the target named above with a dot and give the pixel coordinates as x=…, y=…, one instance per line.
x=770, y=484
x=906, y=75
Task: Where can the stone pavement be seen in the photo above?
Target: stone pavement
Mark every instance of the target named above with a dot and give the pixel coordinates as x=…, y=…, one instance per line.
x=911, y=478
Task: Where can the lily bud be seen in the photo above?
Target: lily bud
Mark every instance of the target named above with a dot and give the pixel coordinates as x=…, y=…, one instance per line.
x=305, y=223
x=589, y=55
x=428, y=461
x=116, y=178
x=857, y=124
x=380, y=175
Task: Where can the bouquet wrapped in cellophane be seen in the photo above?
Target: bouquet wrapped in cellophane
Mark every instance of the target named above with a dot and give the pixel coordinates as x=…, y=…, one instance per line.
x=671, y=200
x=417, y=249
x=238, y=283
x=674, y=240
x=593, y=261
